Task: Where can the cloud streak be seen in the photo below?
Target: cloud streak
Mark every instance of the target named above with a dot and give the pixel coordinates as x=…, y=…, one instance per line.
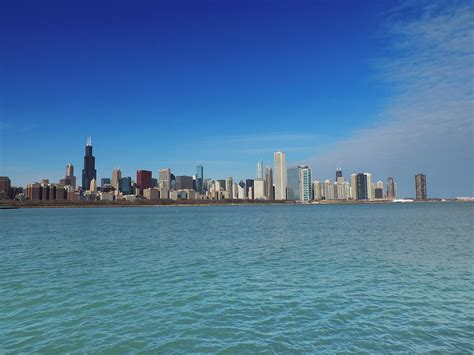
x=428, y=123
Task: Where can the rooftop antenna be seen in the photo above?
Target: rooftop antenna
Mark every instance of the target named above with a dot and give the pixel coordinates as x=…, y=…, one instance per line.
x=89, y=141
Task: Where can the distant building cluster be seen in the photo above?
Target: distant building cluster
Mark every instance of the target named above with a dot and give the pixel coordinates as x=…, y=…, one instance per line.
x=278, y=183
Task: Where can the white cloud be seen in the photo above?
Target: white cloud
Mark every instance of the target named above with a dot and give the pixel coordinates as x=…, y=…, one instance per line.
x=428, y=124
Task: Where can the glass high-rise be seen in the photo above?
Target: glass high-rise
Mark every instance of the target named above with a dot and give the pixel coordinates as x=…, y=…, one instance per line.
x=293, y=184
x=199, y=179
x=306, y=188
x=269, y=183
x=299, y=186
x=362, y=188
x=125, y=185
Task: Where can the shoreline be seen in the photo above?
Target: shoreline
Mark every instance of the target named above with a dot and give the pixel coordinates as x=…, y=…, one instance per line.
x=194, y=203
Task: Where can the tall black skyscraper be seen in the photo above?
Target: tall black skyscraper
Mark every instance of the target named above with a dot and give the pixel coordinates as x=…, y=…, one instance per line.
x=362, y=187
x=89, y=172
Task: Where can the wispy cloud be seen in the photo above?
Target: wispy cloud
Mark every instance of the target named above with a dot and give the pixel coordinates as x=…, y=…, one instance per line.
x=428, y=124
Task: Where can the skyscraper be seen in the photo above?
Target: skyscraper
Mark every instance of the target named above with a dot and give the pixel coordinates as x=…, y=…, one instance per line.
x=199, y=179
x=242, y=191
x=342, y=189
x=70, y=179
x=306, y=188
x=316, y=190
x=370, y=193
x=89, y=172
x=222, y=183
x=70, y=175
x=390, y=188
x=116, y=176
x=260, y=169
x=338, y=173
x=420, y=185
x=269, y=183
x=362, y=187
x=354, y=186
x=229, y=187
x=293, y=184
x=69, y=170
x=165, y=182
x=329, y=190
x=184, y=182
x=299, y=186
x=5, y=187
x=125, y=185
x=280, y=175
x=144, y=179
x=259, y=189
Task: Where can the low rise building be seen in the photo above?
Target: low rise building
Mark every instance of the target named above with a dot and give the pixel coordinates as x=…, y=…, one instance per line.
x=151, y=193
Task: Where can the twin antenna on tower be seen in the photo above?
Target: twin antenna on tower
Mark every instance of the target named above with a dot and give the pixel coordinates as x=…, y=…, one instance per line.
x=89, y=141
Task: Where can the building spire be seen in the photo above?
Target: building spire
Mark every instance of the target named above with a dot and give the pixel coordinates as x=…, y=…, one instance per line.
x=89, y=141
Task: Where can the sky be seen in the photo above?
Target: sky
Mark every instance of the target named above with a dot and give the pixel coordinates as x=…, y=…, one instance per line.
x=374, y=86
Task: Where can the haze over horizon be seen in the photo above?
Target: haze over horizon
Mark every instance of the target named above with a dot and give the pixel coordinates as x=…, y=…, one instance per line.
x=380, y=87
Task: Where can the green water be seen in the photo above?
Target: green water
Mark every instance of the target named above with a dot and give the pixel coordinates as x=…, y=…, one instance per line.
x=238, y=279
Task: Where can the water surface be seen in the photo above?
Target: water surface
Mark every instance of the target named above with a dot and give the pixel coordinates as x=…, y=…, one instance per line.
x=235, y=279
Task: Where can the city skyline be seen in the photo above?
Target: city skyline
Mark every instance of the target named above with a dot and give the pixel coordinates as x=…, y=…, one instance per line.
x=288, y=184
x=389, y=92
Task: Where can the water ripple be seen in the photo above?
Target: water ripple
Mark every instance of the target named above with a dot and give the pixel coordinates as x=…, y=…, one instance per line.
x=256, y=279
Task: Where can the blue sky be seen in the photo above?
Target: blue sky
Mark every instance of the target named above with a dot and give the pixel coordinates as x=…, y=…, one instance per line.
x=226, y=83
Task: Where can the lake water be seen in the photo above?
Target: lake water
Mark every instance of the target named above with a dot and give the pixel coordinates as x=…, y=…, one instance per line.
x=238, y=279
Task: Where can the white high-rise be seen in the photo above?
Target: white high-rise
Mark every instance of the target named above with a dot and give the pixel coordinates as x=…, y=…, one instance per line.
x=370, y=194
x=279, y=175
x=329, y=190
x=259, y=189
x=260, y=169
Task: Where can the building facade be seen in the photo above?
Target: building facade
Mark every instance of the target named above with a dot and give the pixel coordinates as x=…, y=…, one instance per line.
x=116, y=176
x=293, y=184
x=317, y=190
x=279, y=175
x=259, y=189
x=390, y=189
x=199, y=179
x=89, y=172
x=125, y=185
x=229, y=188
x=144, y=179
x=184, y=182
x=420, y=187
x=260, y=169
